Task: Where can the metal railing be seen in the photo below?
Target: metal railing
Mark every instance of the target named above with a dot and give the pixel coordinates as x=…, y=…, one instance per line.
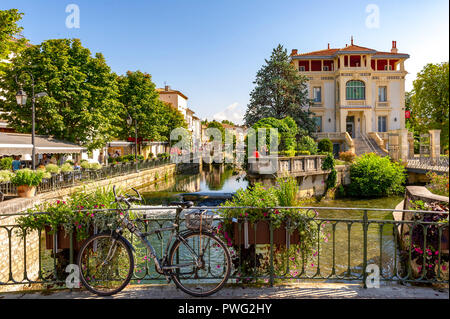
x=347, y=241
x=77, y=177
x=438, y=164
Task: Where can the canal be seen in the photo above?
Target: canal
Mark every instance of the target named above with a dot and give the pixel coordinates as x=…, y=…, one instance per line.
x=341, y=254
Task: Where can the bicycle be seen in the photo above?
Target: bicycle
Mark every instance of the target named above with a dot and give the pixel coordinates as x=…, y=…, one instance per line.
x=106, y=260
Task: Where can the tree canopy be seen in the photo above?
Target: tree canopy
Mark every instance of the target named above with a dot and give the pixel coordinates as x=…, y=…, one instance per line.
x=10, y=38
x=140, y=100
x=287, y=130
x=429, y=100
x=280, y=91
x=81, y=105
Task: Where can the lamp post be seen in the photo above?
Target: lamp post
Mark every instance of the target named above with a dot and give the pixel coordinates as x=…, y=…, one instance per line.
x=21, y=98
x=130, y=121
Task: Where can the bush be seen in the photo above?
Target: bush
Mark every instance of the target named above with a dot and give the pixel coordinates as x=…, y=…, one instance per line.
x=44, y=173
x=66, y=167
x=325, y=145
x=303, y=153
x=307, y=144
x=5, y=175
x=85, y=164
x=439, y=184
x=289, y=153
x=69, y=162
x=375, y=176
x=328, y=162
x=27, y=177
x=95, y=166
x=6, y=163
x=347, y=156
x=52, y=168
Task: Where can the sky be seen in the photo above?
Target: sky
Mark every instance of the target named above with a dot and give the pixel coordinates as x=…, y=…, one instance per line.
x=211, y=49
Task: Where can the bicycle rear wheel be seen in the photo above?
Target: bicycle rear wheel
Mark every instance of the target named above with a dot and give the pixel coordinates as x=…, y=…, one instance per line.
x=211, y=275
x=106, y=265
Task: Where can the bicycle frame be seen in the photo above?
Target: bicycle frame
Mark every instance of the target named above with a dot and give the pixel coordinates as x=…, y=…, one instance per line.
x=160, y=263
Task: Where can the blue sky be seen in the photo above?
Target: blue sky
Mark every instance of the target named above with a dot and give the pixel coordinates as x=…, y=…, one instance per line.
x=211, y=50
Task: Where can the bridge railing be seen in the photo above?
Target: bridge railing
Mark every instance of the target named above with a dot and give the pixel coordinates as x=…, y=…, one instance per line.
x=348, y=244
x=280, y=165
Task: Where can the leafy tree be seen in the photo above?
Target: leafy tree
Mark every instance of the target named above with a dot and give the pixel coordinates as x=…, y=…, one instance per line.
x=81, y=105
x=430, y=100
x=10, y=39
x=218, y=125
x=140, y=100
x=228, y=122
x=280, y=91
x=375, y=176
x=287, y=130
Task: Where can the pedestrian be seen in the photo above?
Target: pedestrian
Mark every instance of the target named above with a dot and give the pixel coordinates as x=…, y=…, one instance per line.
x=16, y=163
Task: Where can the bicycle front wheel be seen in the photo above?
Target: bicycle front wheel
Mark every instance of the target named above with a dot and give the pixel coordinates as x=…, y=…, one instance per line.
x=106, y=264
x=201, y=262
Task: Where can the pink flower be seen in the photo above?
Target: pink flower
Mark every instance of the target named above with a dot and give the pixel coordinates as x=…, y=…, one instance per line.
x=276, y=212
x=218, y=266
x=444, y=267
x=312, y=265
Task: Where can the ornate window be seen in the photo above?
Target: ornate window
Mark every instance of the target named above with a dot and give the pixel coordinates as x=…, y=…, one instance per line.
x=355, y=90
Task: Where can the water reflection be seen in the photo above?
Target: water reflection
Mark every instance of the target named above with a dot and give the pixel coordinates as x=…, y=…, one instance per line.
x=212, y=178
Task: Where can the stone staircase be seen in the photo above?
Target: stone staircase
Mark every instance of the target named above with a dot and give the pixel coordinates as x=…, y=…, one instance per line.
x=365, y=144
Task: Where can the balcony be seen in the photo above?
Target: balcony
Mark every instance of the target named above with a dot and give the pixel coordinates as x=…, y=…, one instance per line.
x=382, y=104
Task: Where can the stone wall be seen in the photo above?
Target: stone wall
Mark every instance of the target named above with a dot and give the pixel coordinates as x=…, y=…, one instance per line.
x=18, y=205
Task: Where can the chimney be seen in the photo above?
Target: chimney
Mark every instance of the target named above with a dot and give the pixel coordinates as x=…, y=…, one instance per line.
x=352, y=40
x=294, y=52
x=394, y=47
x=166, y=87
x=328, y=46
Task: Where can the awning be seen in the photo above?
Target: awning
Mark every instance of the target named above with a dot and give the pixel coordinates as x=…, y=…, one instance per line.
x=120, y=143
x=20, y=144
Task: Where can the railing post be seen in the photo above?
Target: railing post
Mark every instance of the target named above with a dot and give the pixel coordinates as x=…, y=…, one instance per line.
x=365, y=229
x=271, y=280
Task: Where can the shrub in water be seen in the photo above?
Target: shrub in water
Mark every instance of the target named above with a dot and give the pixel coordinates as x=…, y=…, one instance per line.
x=375, y=176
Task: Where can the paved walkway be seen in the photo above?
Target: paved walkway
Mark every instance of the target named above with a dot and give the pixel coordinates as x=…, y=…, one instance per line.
x=291, y=291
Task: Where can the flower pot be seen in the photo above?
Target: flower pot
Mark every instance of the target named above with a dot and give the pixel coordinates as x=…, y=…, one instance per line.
x=26, y=191
x=62, y=239
x=262, y=235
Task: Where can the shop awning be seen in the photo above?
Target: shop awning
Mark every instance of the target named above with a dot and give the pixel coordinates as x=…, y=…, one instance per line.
x=20, y=144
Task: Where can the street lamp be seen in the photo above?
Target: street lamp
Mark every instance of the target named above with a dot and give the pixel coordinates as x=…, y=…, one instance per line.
x=21, y=98
x=130, y=122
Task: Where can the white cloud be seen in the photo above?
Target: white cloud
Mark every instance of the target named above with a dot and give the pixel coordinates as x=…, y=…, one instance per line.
x=231, y=113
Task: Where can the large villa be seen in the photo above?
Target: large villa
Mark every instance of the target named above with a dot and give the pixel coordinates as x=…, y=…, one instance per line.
x=355, y=89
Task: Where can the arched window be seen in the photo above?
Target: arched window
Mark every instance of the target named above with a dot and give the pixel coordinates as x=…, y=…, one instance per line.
x=355, y=90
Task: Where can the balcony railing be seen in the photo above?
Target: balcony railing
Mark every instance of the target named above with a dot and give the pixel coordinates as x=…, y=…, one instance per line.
x=351, y=239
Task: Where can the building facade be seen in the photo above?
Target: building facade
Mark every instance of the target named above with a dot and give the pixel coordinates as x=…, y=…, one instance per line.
x=355, y=89
x=179, y=101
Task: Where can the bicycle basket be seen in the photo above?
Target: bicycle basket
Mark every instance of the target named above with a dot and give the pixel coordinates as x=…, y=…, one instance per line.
x=193, y=220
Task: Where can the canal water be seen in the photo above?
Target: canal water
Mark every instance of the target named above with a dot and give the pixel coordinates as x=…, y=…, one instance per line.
x=341, y=254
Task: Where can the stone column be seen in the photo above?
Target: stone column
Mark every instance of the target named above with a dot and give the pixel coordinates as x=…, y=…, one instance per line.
x=435, y=145
x=342, y=119
x=403, y=144
x=394, y=145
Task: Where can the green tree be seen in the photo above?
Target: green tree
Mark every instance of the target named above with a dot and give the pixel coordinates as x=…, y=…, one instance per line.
x=81, y=105
x=430, y=100
x=10, y=37
x=307, y=144
x=140, y=100
x=287, y=130
x=280, y=91
x=218, y=125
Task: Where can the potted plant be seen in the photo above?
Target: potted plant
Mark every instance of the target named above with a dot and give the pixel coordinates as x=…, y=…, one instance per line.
x=26, y=181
